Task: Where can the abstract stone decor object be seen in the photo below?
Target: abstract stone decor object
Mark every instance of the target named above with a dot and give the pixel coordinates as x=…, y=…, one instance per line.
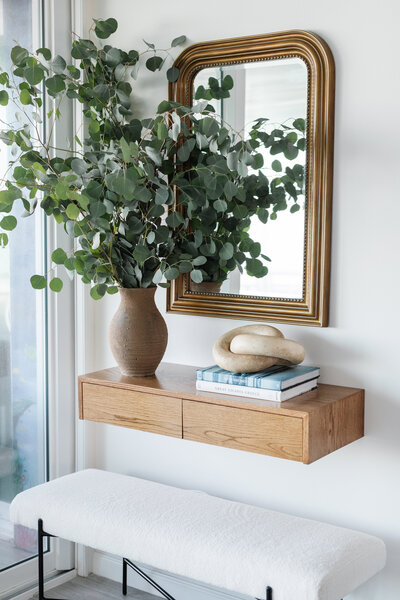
x=253, y=348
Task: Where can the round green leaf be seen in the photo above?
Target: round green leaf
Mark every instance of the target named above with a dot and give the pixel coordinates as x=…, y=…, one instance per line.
x=172, y=74
x=291, y=151
x=18, y=55
x=157, y=277
x=4, y=98
x=185, y=266
x=258, y=161
x=227, y=83
x=154, y=63
x=263, y=215
x=38, y=282
x=255, y=268
x=55, y=84
x=220, y=205
x=292, y=137
x=72, y=211
x=45, y=52
x=58, y=64
x=171, y=273
x=276, y=165
x=74, y=72
x=98, y=291
x=8, y=223
x=94, y=130
x=199, y=260
x=59, y=256
x=164, y=106
x=301, y=144
x=151, y=237
x=70, y=263
x=112, y=289
x=105, y=28
x=34, y=75
x=299, y=124
x=141, y=253
x=79, y=166
x=255, y=250
x=178, y=41
x=196, y=275
x=226, y=251
x=174, y=219
x=56, y=284
x=24, y=97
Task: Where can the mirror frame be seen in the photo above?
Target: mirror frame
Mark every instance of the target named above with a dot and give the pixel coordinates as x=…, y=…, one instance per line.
x=313, y=309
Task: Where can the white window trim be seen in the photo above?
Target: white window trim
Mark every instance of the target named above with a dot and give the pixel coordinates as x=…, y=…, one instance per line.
x=66, y=334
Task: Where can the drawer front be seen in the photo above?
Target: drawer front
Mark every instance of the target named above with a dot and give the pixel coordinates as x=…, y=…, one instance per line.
x=147, y=412
x=253, y=431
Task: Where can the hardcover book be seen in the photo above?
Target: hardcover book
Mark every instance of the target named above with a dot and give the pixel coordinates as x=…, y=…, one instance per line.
x=275, y=378
x=260, y=393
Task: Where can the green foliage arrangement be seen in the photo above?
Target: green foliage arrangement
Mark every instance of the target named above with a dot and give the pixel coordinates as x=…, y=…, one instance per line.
x=222, y=184
x=145, y=200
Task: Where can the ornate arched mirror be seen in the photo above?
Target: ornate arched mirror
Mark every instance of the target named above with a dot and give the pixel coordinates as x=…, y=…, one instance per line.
x=277, y=89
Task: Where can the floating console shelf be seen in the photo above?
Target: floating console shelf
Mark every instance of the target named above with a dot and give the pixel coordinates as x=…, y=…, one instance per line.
x=304, y=429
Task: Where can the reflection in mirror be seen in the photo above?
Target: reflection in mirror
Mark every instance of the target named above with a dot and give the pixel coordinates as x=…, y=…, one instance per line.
x=275, y=90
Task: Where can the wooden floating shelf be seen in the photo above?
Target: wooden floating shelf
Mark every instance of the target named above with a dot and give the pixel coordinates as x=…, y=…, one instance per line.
x=304, y=429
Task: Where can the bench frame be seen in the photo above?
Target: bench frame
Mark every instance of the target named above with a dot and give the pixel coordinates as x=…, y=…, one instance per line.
x=125, y=564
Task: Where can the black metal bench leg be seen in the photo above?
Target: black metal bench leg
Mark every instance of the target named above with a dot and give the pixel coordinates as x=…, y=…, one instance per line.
x=268, y=593
x=147, y=578
x=124, y=577
x=40, y=560
x=41, y=535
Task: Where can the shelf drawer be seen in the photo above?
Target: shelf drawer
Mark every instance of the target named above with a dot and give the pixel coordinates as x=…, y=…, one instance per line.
x=137, y=410
x=254, y=431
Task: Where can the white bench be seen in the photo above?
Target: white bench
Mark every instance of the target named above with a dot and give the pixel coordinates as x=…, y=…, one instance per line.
x=227, y=544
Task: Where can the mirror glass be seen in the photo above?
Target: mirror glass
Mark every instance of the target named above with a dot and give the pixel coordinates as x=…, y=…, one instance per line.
x=275, y=90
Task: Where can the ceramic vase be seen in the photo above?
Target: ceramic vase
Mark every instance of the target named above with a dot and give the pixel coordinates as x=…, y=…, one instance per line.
x=138, y=334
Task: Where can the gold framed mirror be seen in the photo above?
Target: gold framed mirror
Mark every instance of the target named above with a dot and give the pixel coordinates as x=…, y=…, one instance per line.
x=286, y=78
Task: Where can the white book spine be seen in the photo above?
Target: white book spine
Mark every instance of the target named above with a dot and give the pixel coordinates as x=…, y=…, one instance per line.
x=251, y=392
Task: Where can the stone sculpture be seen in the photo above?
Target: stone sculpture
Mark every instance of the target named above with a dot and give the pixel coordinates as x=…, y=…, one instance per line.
x=253, y=348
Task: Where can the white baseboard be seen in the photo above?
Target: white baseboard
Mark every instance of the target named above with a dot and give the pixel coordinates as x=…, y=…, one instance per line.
x=50, y=584
x=109, y=566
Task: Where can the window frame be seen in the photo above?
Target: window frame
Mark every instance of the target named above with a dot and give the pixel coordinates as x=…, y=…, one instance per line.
x=56, y=20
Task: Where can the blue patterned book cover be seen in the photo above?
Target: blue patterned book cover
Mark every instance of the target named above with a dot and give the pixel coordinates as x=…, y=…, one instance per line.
x=274, y=378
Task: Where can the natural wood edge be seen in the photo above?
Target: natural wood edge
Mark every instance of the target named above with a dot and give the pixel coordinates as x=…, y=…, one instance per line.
x=326, y=433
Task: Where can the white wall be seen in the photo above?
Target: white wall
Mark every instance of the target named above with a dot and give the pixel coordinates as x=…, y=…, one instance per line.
x=358, y=486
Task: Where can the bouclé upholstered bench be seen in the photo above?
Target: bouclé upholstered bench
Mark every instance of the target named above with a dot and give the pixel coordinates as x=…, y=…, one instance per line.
x=241, y=548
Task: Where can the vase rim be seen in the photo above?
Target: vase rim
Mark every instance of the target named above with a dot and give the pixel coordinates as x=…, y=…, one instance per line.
x=148, y=289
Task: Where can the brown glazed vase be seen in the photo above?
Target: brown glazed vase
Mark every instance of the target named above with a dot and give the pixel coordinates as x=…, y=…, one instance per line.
x=138, y=334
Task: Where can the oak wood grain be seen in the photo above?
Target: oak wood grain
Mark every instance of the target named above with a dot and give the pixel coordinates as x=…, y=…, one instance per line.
x=335, y=425
x=264, y=433
x=180, y=381
x=305, y=428
x=146, y=412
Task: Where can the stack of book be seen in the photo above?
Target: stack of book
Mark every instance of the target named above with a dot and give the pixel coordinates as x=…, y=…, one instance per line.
x=276, y=383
